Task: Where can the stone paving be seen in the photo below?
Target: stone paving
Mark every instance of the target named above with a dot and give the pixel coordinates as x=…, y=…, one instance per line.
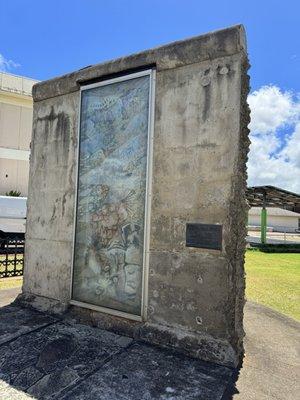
x=43, y=357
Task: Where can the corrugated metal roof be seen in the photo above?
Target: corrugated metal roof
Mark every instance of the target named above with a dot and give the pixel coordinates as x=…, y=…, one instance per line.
x=272, y=196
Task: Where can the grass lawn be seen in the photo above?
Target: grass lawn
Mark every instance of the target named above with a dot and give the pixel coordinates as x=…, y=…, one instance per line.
x=273, y=279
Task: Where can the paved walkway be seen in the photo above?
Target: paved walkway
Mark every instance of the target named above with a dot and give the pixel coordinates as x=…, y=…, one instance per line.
x=271, y=367
x=42, y=357
x=7, y=296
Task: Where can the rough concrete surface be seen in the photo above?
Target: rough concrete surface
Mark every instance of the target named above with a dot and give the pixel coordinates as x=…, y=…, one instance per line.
x=196, y=296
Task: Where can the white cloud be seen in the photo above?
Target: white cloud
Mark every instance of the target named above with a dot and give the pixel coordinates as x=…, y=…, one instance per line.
x=274, y=157
x=7, y=65
x=271, y=109
x=292, y=149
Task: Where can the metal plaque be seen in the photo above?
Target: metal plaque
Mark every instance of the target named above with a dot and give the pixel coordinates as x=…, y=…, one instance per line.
x=205, y=236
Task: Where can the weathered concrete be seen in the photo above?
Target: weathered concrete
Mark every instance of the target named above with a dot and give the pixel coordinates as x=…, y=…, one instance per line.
x=196, y=296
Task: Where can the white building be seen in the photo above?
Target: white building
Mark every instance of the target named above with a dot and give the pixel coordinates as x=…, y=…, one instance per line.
x=278, y=219
x=15, y=132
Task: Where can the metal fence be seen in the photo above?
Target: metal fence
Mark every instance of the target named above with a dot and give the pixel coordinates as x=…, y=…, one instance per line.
x=11, y=257
x=274, y=237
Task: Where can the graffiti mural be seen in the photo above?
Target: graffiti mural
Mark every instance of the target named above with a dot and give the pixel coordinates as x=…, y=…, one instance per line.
x=109, y=239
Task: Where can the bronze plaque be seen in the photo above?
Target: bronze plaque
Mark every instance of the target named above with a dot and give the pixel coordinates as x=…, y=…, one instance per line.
x=204, y=236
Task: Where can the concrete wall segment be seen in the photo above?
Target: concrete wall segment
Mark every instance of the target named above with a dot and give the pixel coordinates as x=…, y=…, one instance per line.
x=196, y=296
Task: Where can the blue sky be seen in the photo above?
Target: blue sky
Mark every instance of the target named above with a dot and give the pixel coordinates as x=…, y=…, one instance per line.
x=43, y=39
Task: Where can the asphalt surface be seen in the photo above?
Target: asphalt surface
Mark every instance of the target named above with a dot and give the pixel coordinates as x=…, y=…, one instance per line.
x=42, y=358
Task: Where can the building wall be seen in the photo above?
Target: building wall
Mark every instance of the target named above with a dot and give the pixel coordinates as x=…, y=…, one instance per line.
x=279, y=223
x=196, y=296
x=15, y=132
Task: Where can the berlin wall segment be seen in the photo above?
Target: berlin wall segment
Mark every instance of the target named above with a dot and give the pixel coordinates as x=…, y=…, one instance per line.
x=141, y=162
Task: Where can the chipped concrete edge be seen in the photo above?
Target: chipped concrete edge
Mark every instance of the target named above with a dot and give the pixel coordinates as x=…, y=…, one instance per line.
x=41, y=303
x=202, y=346
x=238, y=209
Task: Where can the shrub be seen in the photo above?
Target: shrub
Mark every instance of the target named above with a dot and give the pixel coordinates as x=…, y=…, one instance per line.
x=13, y=193
x=276, y=248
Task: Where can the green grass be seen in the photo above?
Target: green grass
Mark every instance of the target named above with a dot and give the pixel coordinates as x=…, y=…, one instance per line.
x=274, y=280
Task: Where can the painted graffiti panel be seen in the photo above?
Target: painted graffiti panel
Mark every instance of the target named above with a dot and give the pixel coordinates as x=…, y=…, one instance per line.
x=109, y=239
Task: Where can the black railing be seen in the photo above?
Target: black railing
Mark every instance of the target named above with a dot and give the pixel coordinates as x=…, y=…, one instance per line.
x=11, y=256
